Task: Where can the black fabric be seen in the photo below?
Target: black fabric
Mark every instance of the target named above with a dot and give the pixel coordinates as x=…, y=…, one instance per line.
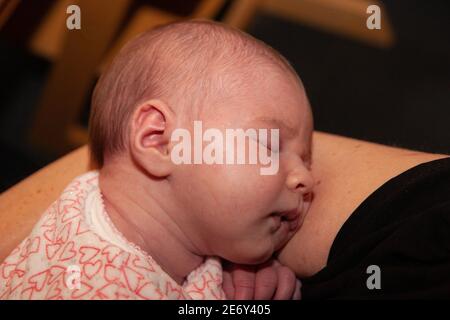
x=404, y=228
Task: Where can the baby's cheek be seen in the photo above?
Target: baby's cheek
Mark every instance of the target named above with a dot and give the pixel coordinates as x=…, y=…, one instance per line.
x=271, y=186
x=235, y=189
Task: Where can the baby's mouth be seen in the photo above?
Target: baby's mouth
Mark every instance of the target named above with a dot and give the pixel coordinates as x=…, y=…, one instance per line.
x=291, y=217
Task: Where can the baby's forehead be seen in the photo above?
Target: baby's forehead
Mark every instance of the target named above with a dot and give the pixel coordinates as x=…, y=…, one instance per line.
x=253, y=109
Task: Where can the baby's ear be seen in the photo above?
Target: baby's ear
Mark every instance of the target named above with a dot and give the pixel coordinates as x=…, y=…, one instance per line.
x=150, y=137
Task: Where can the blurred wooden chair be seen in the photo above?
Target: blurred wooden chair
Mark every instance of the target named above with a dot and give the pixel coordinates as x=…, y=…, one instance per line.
x=7, y=8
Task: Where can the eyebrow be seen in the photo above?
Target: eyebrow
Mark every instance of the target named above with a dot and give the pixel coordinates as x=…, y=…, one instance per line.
x=288, y=130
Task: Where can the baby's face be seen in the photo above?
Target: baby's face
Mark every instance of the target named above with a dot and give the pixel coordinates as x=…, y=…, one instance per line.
x=233, y=210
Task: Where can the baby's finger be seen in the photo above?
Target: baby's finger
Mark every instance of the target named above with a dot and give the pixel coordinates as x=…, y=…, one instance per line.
x=244, y=283
x=227, y=285
x=286, y=284
x=297, y=293
x=266, y=283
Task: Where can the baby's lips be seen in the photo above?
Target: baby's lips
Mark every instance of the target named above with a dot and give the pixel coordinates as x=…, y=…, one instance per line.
x=291, y=215
x=293, y=224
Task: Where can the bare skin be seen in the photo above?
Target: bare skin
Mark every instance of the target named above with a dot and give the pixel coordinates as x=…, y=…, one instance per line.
x=346, y=172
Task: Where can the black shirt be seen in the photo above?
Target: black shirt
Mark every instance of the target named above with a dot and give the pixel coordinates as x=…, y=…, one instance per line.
x=402, y=230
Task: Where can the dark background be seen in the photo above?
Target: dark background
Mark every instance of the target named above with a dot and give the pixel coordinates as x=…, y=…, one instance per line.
x=398, y=96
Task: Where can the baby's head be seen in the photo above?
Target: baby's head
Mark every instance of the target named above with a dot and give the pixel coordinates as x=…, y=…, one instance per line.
x=202, y=71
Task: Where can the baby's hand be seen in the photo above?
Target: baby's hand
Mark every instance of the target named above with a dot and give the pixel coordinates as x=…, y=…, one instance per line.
x=267, y=281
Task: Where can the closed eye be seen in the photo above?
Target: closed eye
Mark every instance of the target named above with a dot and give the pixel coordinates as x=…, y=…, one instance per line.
x=269, y=145
x=272, y=148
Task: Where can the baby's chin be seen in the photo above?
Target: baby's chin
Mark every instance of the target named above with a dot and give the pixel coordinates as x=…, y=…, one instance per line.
x=253, y=260
x=251, y=257
x=260, y=249
x=254, y=255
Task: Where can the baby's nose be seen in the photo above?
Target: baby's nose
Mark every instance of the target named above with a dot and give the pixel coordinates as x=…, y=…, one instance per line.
x=300, y=180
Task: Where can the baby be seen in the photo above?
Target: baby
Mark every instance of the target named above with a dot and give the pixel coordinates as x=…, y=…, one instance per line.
x=145, y=226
